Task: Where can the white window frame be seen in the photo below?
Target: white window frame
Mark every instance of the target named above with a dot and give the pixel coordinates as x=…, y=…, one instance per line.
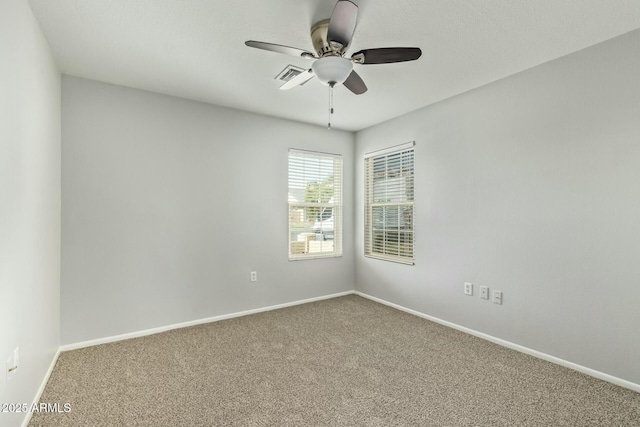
x=398, y=231
x=301, y=172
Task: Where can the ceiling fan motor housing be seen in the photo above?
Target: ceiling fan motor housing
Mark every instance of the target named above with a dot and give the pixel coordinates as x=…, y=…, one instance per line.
x=319, y=38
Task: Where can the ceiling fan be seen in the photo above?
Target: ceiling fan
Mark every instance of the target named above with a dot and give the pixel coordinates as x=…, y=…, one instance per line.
x=330, y=39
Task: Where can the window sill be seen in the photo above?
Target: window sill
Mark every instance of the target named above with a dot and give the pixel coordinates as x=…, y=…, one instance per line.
x=314, y=256
x=392, y=259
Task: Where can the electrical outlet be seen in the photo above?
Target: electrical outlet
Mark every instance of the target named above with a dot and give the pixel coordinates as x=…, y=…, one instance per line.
x=484, y=292
x=468, y=288
x=254, y=276
x=497, y=297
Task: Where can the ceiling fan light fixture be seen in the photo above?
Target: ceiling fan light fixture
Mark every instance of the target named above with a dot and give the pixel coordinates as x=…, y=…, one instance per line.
x=332, y=69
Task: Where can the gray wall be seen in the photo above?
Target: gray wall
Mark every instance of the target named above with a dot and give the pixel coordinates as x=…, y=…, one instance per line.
x=169, y=204
x=530, y=185
x=29, y=204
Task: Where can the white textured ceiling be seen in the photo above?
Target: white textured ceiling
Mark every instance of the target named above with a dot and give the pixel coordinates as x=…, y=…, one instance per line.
x=195, y=48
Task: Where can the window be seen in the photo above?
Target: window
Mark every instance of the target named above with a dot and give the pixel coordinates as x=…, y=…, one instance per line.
x=315, y=205
x=389, y=212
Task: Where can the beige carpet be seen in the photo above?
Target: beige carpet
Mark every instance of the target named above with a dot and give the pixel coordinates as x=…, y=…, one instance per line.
x=341, y=362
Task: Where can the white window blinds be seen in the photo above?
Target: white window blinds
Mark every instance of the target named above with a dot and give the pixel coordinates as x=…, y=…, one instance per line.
x=315, y=204
x=389, y=210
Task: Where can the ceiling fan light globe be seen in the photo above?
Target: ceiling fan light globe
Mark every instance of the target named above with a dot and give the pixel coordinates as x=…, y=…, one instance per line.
x=332, y=69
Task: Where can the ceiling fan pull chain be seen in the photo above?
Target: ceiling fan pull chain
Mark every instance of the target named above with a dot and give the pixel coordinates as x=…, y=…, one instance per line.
x=331, y=85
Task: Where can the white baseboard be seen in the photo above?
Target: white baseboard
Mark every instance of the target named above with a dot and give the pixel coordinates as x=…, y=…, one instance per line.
x=45, y=380
x=591, y=372
x=152, y=331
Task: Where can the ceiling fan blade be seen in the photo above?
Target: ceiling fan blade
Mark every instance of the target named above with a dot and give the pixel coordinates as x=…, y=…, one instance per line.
x=355, y=83
x=287, y=50
x=342, y=23
x=300, y=79
x=387, y=55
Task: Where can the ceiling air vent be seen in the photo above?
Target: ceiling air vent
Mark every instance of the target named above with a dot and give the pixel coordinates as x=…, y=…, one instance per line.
x=289, y=72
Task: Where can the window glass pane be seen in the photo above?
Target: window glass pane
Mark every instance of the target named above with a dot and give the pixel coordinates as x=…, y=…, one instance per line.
x=389, y=181
x=315, y=202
